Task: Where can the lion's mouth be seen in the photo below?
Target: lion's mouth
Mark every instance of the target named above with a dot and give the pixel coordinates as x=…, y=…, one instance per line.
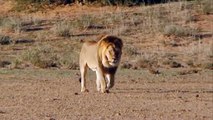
x=114, y=62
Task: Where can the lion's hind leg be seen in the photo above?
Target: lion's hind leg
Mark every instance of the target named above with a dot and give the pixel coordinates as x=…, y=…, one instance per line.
x=83, y=70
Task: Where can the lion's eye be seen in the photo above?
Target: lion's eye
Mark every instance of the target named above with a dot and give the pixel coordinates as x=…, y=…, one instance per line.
x=111, y=51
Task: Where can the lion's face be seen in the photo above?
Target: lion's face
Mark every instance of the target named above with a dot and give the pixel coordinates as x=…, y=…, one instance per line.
x=113, y=55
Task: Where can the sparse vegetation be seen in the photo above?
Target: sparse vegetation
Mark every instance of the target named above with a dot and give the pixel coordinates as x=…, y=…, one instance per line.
x=146, y=61
x=126, y=65
x=167, y=60
x=130, y=51
x=46, y=57
x=43, y=57
x=172, y=24
x=11, y=24
x=63, y=29
x=178, y=31
x=85, y=21
x=5, y=40
x=16, y=63
x=207, y=7
x=4, y=63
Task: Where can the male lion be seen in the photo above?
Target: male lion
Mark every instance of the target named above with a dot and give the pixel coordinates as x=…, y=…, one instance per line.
x=103, y=57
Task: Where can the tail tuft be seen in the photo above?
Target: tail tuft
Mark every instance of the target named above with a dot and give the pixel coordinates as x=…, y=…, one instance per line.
x=79, y=80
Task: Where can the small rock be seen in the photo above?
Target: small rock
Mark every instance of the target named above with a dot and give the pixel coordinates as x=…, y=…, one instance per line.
x=2, y=112
x=54, y=99
x=118, y=114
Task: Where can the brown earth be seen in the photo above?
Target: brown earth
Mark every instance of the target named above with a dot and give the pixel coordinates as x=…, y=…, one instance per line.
x=178, y=85
x=54, y=95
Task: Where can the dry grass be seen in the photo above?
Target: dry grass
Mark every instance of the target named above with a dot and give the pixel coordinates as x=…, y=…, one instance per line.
x=5, y=40
x=13, y=24
x=43, y=57
x=178, y=31
x=46, y=56
x=207, y=7
x=62, y=29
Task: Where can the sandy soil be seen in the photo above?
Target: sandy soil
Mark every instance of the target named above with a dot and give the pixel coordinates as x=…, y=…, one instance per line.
x=54, y=95
x=183, y=93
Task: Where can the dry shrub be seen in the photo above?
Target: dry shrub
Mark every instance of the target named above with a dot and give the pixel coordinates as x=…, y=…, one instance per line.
x=202, y=51
x=146, y=60
x=85, y=21
x=46, y=56
x=207, y=7
x=190, y=71
x=207, y=65
x=62, y=29
x=5, y=40
x=126, y=65
x=175, y=64
x=43, y=57
x=12, y=24
x=130, y=51
x=17, y=63
x=178, y=31
x=19, y=24
x=142, y=63
x=69, y=60
x=4, y=63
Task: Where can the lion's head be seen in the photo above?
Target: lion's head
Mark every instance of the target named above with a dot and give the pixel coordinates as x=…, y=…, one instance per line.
x=110, y=50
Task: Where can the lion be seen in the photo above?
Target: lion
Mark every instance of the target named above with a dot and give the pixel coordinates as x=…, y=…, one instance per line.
x=103, y=57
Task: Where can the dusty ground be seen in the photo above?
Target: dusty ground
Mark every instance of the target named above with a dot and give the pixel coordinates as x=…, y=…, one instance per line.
x=54, y=95
x=161, y=76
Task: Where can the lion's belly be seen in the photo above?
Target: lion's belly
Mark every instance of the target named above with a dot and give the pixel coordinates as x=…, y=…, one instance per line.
x=92, y=65
x=93, y=69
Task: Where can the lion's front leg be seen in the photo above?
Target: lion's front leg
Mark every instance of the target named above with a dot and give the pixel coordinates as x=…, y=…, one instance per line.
x=101, y=82
x=98, y=83
x=110, y=80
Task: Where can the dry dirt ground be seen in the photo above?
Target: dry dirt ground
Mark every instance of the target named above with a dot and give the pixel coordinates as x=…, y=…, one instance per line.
x=178, y=85
x=138, y=95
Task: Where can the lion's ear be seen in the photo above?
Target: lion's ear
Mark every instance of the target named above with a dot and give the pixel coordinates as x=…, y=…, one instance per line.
x=100, y=37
